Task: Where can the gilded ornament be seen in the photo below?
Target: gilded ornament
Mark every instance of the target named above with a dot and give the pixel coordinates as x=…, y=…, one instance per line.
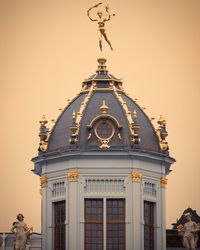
x=104, y=119
x=104, y=108
x=180, y=229
x=162, y=134
x=127, y=112
x=136, y=127
x=136, y=176
x=76, y=117
x=43, y=181
x=43, y=134
x=73, y=176
x=163, y=181
x=104, y=143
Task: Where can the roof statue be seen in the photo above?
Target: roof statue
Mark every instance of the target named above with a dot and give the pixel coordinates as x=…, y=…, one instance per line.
x=188, y=227
x=101, y=20
x=22, y=233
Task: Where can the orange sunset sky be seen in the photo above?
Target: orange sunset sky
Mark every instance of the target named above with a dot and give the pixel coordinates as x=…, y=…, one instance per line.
x=48, y=47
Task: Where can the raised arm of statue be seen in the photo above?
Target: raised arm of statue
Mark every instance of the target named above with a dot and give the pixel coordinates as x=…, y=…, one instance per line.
x=88, y=12
x=109, y=15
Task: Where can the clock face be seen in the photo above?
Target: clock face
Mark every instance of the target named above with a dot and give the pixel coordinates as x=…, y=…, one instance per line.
x=104, y=130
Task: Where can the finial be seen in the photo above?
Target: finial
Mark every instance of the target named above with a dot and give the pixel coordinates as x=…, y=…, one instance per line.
x=43, y=121
x=104, y=108
x=43, y=134
x=136, y=127
x=74, y=128
x=134, y=114
x=74, y=116
x=162, y=134
x=162, y=121
x=102, y=67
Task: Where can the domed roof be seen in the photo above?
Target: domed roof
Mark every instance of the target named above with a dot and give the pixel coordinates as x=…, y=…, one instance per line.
x=102, y=117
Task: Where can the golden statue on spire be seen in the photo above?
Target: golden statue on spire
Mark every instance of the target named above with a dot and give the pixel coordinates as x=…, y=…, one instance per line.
x=101, y=23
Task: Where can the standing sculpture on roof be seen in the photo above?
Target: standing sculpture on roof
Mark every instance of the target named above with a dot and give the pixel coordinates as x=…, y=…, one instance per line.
x=22, y=233
x=189, y=232
x=101, y=23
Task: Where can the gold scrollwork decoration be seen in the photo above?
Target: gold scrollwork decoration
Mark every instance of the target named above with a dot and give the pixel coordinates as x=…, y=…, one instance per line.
x=127, y=112
x=102, y=122
x=76, y=117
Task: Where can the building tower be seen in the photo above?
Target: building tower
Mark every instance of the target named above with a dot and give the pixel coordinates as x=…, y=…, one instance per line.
x=103, y=170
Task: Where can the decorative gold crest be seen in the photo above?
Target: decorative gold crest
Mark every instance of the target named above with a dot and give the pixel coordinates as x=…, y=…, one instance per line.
x=163, y=181
x=136, y=176
x=43, y=181
x=73, y=176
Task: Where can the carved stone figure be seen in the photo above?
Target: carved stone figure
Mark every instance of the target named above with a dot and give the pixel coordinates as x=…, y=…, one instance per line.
x=189, y=232
x=101, y=24
x=22, y=233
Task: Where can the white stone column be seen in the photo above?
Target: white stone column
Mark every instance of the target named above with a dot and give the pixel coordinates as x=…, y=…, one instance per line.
x=67, y=216
x=43, y=184
x=163, y=183
x=129, y=213
x=50, y=227
x=81, y=212
x=136, y=206
x=73, y=210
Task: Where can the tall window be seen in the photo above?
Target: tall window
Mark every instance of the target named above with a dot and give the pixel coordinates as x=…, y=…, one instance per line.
x=59, y=217
x=148, y=225
x=93, y=224
x=113, y=220
x=115, y=215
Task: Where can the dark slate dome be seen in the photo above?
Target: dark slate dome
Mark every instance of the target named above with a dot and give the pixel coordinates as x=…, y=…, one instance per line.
x=102, y=117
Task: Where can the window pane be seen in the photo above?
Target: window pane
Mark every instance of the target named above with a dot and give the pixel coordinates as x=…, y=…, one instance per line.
x=115, y=212
x=93, y=224
x=148, y=226
x=59, y=220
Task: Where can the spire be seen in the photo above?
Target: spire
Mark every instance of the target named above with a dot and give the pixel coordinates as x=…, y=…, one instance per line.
x=102, y=67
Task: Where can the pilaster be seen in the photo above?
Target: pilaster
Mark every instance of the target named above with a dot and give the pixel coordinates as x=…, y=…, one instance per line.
x=73, y=209
x=136, y=205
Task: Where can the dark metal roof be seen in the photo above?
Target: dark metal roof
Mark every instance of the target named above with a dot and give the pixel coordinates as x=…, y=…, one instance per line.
x=61, y=133
x=182, y=220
